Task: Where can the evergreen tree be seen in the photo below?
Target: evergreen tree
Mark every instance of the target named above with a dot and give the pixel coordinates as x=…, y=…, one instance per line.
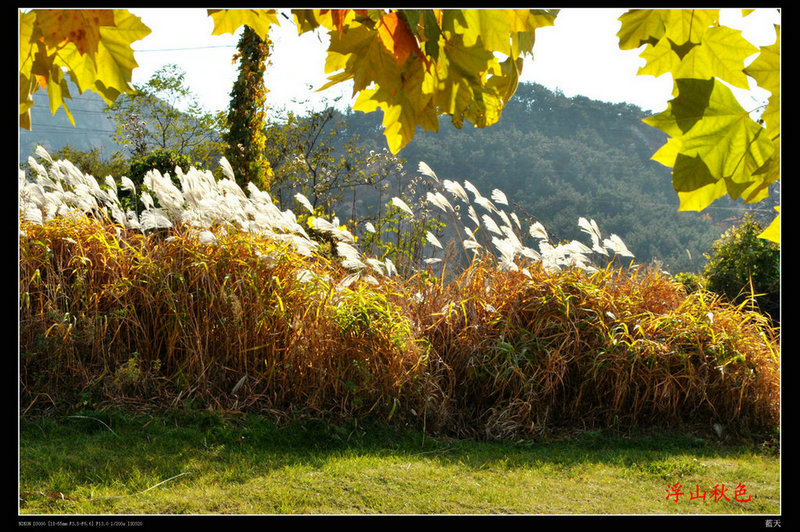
x=246, y=120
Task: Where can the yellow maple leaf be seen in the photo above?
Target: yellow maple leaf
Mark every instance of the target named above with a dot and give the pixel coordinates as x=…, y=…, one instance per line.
x=78, y=26
x=230, y=20
x=396, y=36
x=773, y=231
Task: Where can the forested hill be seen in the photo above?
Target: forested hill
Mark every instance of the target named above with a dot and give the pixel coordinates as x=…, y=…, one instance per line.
x=559, y=158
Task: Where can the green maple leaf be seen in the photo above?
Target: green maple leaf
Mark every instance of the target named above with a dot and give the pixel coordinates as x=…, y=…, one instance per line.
x=699, y=199
x=720, y=54
x=362, y=57
x=403, y=110
x=641, y=26
x=773, y=231
x=689, y=25
x=716, y=146
x=487, y=26
x=766, y=70
x=660, y=59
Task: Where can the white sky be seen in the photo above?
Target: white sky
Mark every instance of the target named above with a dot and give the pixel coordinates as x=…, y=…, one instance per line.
x=580, y=55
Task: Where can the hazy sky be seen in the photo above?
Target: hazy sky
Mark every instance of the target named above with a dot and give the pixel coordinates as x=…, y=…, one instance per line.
x=579, y=56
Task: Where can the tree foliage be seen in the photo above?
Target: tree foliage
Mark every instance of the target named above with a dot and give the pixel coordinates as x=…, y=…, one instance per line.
x=162, y=160
x=315, y=156
x=246, y=119
x=163, y=114
x=715, y=147
x=742, y=266
x=93, y=46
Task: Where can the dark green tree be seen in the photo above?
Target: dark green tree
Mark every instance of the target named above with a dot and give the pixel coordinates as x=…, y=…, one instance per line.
x=164, y=161
x=245, y=139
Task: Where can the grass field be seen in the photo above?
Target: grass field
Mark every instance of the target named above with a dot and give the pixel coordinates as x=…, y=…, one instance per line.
x=201, y=463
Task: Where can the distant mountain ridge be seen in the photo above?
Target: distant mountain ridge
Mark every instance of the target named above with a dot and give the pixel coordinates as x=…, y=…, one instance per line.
x=92, y=128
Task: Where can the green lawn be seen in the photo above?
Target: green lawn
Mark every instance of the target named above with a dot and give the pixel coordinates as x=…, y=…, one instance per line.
x=104, y=463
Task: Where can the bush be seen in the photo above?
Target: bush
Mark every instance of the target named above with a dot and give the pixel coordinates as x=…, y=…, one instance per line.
x=690, y=281
x=162, y=160
x=742, y=266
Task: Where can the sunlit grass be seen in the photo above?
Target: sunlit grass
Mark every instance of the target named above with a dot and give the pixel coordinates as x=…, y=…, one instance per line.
x=247, y=465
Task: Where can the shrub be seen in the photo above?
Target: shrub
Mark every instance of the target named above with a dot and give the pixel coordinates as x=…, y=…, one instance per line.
x=743, y=266
x=690, y=281
x=164, y=161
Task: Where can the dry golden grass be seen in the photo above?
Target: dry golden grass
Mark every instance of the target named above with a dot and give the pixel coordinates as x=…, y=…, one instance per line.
x=109, y=315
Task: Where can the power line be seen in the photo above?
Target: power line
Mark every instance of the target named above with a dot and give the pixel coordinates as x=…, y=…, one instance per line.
x=186, y=49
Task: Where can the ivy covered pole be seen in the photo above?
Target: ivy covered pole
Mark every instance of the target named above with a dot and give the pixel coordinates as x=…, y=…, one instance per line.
x=246, y=119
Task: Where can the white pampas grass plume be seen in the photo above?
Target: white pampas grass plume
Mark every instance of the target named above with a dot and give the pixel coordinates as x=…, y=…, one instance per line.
x=321, y=224
x=303, y=246
x=33, y=214
x=41, y=152
x=531, y=254
x=353, y=264
x=153, y=219
x=390, y=267
x=227, y=170
x=348, y=252
x=432, y=260
x=590, y=227
x=376, y=265
x=473, y=216
x=576, y=248
x=127, y=184
x=304, y=202
x=132, y=220
x=485, y=203
x=505, y=218
x=499, y=197
x=402, y=205
x=347, y=281
x=491, y=225
x=110, y=183
x=456, y=190
x=472, y=188
x=615, y=244
x=426, y=170
x=439, y=200
x=537, y=231
x=207, y=237
x=430, y=237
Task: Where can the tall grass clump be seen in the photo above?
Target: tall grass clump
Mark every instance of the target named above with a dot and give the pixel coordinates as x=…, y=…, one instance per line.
x=220, y=299
x=573, y=349
x=211, y=295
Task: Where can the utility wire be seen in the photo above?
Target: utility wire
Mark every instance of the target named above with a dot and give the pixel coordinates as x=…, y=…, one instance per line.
x=187, y=49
